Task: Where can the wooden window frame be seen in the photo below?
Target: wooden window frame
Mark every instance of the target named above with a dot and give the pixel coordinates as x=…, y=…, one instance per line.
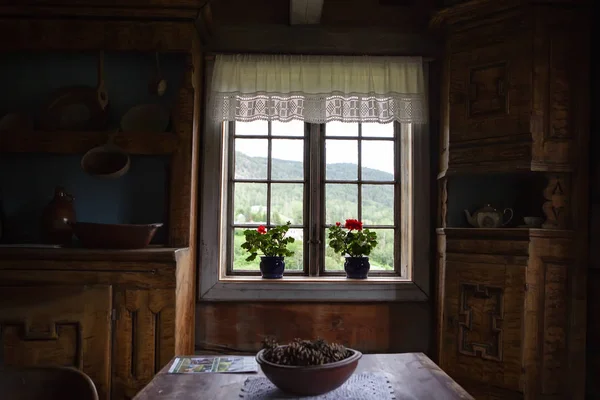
x=215, y=285
x=315, y=229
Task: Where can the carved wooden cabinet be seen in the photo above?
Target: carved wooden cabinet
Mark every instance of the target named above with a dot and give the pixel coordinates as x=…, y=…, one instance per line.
x=511, y=301
x=505, y=330
x=119, y=316
x=510, y=72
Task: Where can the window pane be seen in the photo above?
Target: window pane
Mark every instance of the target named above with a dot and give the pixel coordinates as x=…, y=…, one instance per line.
x=287, y=203
x=382, y=256
x=378, y=204
x=239, y=254
x=341, y=129
x=341, y=202
x=378, y=130
x=292, y=263
x=292, y=128
x=250, y=203
x=377, y=160
x=333, y=261
x=252, y=128
x=251, y=158
x=341, y=159
x=287, y=159
x=296, y=261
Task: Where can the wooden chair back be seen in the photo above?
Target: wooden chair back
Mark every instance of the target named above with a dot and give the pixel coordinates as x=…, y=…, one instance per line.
x=46, y=383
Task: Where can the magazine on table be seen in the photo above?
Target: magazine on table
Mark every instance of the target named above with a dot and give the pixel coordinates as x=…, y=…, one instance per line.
x=222, y=364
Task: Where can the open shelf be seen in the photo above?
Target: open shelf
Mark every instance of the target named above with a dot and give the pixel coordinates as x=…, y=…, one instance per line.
x=67, y=142
x=512, y=233
x=33, y=252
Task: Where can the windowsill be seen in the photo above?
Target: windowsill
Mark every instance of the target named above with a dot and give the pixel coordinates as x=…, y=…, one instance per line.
x=305, y=288
x=316, y=279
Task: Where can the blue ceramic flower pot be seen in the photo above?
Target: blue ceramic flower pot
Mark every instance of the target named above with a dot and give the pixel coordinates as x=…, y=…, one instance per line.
x=271, y=267
x=357, y=267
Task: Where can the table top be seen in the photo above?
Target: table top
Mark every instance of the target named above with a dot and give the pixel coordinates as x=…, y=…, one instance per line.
x=412, y=375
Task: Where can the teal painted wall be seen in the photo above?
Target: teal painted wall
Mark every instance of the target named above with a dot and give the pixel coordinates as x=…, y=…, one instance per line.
x=27, y=181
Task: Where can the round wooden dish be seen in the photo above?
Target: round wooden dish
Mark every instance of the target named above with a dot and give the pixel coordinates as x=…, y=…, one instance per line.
x=312, y=380
x=114, y=236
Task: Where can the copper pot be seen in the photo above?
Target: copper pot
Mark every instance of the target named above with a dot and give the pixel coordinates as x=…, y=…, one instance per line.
x=57, y=217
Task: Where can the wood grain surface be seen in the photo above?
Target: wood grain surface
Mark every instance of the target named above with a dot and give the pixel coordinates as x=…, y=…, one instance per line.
x=412, y=376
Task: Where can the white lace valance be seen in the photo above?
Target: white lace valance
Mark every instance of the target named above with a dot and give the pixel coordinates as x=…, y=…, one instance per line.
x=318, y=89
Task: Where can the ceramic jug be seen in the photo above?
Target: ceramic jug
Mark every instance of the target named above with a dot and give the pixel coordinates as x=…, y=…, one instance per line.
x=56, y=218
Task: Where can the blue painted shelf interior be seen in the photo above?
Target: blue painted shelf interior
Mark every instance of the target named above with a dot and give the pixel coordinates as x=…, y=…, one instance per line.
x=27, y=181
x=521, y=192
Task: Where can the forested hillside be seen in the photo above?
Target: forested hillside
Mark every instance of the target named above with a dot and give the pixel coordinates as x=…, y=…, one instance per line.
x=287, y=205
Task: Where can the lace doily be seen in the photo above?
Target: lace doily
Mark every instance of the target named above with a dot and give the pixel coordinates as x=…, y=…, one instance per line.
x=319, y=108
x=365, y=386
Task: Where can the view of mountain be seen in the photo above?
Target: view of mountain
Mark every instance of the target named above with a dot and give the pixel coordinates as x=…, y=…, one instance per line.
x=287, y=205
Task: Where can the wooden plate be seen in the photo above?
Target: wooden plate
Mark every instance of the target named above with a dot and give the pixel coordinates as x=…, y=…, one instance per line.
x=74, y=108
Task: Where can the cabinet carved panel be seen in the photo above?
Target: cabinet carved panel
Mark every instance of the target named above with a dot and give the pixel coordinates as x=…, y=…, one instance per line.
x=484, y=310
x=144, y=338
x=61, y=325
x=480, y=327
x=490, y=92
x=487, y=90
x=556, y=206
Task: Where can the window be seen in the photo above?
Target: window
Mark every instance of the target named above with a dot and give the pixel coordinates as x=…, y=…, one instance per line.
x=314, y=175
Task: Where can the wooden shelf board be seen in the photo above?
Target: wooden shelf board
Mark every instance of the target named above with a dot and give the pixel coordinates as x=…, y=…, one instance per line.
x=149, y=254
x=504, y=232
x=66, y=142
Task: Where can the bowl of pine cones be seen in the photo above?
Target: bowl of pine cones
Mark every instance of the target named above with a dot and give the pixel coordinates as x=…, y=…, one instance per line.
x=305, y=367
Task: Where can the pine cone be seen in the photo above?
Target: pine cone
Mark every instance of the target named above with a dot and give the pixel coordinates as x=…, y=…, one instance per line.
x=304, y=352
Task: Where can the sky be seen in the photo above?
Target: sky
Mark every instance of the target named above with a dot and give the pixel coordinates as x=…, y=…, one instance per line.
x=378, y=154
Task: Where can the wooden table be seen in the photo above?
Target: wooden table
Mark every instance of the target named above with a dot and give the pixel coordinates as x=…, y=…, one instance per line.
x=412, y=375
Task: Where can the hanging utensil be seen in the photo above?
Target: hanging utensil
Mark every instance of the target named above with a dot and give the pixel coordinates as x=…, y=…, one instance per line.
x=78, y=107
x=108, y=161
x=101, y=88
x=157, y=85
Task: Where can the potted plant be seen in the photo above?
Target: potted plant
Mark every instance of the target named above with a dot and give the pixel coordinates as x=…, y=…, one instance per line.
x=272, y=243
x=354, y=242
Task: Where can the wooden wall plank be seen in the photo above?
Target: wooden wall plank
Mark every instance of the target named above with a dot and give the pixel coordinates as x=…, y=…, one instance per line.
x=82, y=35
x=370, y=328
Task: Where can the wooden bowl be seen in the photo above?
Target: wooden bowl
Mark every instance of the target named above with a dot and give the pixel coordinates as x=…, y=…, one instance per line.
x=114, y=236
x=312, y=380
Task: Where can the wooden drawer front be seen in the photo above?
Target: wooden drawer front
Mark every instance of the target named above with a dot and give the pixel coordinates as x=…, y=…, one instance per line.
x=489, y=246
x=144, y=338
x=483, y=323
x=67, y=326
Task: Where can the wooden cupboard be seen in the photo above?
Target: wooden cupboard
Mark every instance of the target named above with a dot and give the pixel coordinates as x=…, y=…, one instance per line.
x=511, y=301
x=511, y=76
x=119, y=316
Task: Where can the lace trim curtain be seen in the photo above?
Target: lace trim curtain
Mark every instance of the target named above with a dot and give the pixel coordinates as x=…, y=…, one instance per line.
x=318, y=89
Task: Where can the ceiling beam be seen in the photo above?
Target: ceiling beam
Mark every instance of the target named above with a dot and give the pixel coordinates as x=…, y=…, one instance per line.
x=305, y=12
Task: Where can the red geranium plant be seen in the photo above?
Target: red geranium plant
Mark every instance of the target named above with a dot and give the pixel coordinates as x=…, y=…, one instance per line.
x=271, y=243
x=351, y=239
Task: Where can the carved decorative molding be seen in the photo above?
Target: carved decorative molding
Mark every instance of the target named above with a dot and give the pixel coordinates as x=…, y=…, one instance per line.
x=556, y=207
x=481, y=315
x=488, y=94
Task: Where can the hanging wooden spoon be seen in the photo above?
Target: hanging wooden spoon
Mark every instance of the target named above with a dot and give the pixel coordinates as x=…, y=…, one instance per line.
x=101, y=88
x=158, y=85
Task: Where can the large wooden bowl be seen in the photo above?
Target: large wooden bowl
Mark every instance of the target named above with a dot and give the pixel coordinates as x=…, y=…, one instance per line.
x=114, y=236
x=312, y=380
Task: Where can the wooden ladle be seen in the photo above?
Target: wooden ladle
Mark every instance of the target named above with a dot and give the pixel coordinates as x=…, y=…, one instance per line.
x=107, y=161
x=157, y=85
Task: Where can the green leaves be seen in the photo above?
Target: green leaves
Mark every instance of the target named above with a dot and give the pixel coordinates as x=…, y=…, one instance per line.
x=357, y=243
x=270, y=242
